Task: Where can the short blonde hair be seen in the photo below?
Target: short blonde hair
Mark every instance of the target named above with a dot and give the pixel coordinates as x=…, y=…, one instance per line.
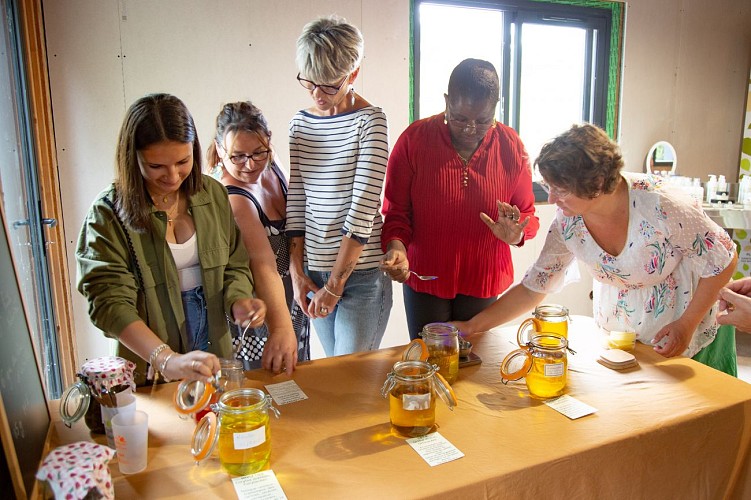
x=328, y=49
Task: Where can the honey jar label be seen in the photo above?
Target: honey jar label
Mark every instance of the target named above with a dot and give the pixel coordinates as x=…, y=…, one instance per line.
x=414, y=402
x=554, y=369
x=250, y=439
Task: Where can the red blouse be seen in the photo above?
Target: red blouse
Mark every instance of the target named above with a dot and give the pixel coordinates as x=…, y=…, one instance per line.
x=438, y=219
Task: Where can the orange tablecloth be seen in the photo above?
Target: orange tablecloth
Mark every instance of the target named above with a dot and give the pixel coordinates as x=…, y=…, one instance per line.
x=671, y=428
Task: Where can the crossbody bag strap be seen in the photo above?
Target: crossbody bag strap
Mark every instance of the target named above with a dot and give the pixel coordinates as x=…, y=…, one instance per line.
x=132, y=250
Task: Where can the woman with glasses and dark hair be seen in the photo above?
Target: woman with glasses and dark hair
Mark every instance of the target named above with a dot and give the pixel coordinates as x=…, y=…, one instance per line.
x=658, y=261
x=257, y=187
x=338, y=153
x=445, y=173
x=160, y=259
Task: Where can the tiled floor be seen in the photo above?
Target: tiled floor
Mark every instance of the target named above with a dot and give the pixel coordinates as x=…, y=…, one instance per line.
x=743, y=346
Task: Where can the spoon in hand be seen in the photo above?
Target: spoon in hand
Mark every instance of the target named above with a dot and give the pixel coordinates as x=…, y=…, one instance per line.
x=420, y=277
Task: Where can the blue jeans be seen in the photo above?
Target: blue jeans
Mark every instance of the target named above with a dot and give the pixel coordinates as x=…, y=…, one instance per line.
x=196, y=324
x=359, y=319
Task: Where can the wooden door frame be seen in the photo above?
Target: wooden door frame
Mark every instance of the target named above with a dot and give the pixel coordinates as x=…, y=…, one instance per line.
x=40, y=106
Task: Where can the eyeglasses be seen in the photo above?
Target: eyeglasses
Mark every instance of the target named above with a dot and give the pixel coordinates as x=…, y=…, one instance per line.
x=243, y=158
x=326, y=89
x=561, y=194
x=469, y=126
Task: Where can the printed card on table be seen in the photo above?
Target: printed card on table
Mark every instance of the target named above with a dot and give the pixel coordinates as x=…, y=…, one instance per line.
x=435, y=449
x=259, y=486
x=571, y=407
x=286, y=392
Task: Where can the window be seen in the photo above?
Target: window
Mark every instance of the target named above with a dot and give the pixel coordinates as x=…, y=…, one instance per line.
x=557, y=61
x=19, y=182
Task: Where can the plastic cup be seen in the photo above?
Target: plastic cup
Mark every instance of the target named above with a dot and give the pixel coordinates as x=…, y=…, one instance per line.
x=131, y=441
x=126, y=403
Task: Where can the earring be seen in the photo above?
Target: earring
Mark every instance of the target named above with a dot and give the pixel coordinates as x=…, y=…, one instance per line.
x=445, y=121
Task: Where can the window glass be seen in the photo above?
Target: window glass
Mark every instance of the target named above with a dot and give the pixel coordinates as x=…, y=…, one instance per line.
x=554, y=60
x=448, y=35
x=552, y=82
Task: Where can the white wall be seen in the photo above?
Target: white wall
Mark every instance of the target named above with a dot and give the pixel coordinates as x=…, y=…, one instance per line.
x=685, y=78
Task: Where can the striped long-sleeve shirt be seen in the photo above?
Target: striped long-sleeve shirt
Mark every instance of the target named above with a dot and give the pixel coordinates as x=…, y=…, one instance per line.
x=337, y=169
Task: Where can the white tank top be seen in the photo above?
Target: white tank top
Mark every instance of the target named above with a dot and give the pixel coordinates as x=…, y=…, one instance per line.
x=186, y=260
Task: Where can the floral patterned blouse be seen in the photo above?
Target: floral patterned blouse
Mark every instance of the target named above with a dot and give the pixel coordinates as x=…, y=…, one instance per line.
x=671, y=244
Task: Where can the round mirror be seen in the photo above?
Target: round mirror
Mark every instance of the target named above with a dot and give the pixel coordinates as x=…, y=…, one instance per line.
x=661, y=159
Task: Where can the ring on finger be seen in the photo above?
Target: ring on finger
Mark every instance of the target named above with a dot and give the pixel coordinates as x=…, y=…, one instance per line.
x=323, y=310
x=193, y=365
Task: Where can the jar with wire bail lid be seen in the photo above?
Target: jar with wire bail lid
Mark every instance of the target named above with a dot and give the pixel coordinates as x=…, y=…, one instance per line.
x=239, y=427
x=442, y=341
x=100, y=381
x=411, y=388
x=543, y=363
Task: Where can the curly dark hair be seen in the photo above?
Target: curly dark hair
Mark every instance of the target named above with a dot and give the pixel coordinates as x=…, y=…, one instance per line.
x=582, y=160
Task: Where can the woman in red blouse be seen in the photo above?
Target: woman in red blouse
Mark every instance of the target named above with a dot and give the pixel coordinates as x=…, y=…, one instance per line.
x=445, y=173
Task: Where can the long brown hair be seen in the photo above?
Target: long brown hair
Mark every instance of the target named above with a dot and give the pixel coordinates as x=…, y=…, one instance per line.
x=150, y=120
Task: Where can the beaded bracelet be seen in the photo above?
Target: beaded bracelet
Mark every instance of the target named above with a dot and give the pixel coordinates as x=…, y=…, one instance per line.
x=325, y=287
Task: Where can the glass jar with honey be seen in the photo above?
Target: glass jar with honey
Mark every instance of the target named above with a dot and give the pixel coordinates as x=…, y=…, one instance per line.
x=412, y=387
x=550, y=318
x=239, y=427
x=543, y=363
x=442, y=340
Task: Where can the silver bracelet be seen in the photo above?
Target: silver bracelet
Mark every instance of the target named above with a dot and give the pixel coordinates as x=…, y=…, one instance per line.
x=163, y=365
x=156, y=352
x=330, y=292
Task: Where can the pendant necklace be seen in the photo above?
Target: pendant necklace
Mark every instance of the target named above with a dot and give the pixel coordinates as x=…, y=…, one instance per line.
x=172, y=212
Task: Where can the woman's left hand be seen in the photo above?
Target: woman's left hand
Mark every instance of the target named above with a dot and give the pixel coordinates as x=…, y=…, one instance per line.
x=673, y=339
x=249, y=311
x=507, y=228
x=323, y=303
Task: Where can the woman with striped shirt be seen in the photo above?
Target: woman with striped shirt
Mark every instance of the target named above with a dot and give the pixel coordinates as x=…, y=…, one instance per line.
x=338, y=154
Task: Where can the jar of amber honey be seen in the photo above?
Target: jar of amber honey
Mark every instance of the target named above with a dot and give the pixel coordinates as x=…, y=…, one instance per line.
x=550, y=318
x=239, y=428
x=412, y=387
x=442, y=340
x=543, y=363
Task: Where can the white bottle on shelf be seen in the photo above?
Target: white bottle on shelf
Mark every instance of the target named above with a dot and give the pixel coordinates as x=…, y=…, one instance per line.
x=722, y=190
x=744, y=191
x=711, y=188
x=697, y=192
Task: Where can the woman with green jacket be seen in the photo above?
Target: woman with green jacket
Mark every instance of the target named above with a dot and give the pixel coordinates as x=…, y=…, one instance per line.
x=160, y=259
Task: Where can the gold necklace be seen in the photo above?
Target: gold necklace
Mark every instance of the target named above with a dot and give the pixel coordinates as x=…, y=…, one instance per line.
x=172, y=211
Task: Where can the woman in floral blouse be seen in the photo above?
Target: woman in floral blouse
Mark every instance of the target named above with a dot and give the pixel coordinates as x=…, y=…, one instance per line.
x=657, y=260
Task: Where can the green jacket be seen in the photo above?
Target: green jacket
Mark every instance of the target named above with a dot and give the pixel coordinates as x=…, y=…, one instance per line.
x=108, y=280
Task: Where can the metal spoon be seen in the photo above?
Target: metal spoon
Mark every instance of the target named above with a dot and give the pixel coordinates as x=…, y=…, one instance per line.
x=420, y=277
